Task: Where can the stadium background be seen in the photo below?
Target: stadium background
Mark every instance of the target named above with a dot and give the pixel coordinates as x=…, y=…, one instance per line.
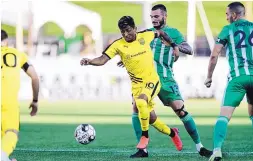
x=71, y=95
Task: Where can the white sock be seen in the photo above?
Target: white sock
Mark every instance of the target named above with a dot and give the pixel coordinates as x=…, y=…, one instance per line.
x=198, y=146
x=4, y=156
x=216, y=150
x=145, y=150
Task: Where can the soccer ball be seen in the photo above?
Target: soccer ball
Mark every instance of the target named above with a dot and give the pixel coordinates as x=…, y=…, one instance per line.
x=85, y=133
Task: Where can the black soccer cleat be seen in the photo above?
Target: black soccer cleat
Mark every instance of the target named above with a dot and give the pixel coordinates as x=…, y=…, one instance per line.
x=205, y=153
x=217, y=159
x=140, y=154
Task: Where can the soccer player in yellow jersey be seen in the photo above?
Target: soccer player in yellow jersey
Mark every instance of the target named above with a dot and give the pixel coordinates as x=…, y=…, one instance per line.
x=136, y=54
x=12, y=63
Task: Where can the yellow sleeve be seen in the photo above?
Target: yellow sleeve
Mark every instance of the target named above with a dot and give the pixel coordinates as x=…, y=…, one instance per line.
x=24, y=59
x=112, y=50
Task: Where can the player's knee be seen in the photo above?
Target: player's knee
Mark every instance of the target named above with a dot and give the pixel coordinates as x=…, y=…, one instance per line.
x=153, y=117
x=141, y=104
x=181, y=112
x=135, y=110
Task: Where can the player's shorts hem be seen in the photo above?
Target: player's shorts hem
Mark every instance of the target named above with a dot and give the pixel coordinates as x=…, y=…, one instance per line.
x=228, y=105
x=166, y=103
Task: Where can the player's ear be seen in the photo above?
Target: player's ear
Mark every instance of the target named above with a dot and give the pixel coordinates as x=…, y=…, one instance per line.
x=234, y=15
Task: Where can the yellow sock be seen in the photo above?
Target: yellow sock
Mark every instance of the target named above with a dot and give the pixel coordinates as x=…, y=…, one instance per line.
x=9, y=141
x=161, y=126
x=143, y=114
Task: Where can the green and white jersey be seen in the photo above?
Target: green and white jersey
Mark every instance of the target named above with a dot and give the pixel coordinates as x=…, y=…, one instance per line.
x=163, y=55
x=238, y=40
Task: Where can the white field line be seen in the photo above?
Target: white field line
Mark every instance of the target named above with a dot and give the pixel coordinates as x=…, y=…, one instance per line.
x=154, y=151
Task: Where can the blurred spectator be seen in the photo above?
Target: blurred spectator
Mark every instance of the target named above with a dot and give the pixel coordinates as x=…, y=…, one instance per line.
x=71, y=44
x=88, y=45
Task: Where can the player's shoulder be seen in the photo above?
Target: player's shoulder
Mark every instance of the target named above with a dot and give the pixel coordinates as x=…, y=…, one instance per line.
x=226, y=28
x=145, y=31
x=10, y=50
x=117, y=41
x=172, y=30
x=115, y=44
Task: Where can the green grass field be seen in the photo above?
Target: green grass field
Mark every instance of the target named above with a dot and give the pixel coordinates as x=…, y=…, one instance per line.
x=50, y=135
x=112, y=11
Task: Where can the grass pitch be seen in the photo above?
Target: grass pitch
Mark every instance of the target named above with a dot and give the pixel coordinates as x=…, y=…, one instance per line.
x=50, y=135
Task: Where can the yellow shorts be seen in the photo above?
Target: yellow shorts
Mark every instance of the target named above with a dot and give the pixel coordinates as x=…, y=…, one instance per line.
x=150, y=89
x=10, y=118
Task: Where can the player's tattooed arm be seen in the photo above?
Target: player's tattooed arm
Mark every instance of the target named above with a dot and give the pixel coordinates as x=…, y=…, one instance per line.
x=185, y=48
x=96, y=61
x=212, y=63
x=166, y=39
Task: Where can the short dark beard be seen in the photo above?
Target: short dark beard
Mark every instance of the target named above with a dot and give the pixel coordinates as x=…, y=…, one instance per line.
x=231, y=19
x=161, y=23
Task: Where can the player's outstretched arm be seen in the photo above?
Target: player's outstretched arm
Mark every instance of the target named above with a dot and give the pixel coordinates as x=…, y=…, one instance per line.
x=96, y=61
x=35, y=87
x=185, y=48
x=212, y=63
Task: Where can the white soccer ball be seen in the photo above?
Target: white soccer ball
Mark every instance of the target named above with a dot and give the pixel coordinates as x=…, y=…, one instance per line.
x=85, y=133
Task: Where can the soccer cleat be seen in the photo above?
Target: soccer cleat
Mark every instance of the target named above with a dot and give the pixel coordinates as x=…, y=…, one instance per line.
x=143, y=143
x=140, y=154
x=176, y=140
x=205, y=153
x=217, y=156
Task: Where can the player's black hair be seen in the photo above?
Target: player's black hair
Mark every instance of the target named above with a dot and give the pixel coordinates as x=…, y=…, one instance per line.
x=4, y=35
x=237, y=7
x=126, y=21
x=159, y=6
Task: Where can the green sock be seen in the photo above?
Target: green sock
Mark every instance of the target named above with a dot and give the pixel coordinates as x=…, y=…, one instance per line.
x=191, y=128
x=137, y=126
x=220, y=131
x=251, y=118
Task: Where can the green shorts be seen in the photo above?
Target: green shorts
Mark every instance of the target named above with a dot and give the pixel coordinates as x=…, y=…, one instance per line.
x=236, y=90
x=169, y=91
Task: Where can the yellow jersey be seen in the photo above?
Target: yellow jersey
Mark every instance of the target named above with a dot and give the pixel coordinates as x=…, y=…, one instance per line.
x=12, y=62
x=137, y=57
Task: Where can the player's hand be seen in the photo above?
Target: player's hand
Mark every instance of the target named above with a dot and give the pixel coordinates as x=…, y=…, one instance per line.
x=120, y=64
x=34, y=107
x=84, y=61
x=208, y=82
x=176, y=51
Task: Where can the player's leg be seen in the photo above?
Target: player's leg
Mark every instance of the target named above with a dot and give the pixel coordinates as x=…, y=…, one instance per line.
x=189, y=124
x=173, y=133
x=161, y=127
x=10, y=127
x=145, y=95
x=250, y=109
x=136, y=122
x=170, y=96
x=250, y=102
x=142, y=106
x=154, y=121
x=233, y=95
